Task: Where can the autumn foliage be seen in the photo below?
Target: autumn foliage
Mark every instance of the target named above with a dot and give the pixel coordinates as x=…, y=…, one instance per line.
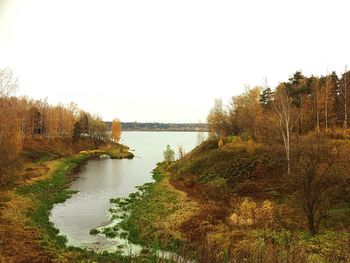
x=316, y=104
x=116, y=130
x=35, y=125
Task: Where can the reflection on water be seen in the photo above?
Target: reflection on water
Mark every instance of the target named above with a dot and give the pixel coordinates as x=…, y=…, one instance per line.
x=101, y=180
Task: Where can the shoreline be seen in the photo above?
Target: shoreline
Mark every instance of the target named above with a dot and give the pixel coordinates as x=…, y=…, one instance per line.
x=33, y=199
x=142, y=218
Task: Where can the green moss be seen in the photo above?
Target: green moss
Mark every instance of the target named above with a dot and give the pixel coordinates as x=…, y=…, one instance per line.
x=109, y=232
x=94, y=232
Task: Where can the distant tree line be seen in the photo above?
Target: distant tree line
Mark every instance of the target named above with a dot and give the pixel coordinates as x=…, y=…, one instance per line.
x=156, y=126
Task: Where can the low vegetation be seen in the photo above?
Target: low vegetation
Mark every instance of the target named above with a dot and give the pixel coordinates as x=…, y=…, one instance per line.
x=152, y=216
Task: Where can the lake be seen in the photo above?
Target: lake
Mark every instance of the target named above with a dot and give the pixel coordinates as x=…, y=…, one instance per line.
x=100, y=180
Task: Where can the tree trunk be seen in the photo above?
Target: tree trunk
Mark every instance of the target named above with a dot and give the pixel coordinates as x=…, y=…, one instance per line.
x=288, y=148
x=326, y=106
x=317, y=110
x=311, y=222
x=345, y=102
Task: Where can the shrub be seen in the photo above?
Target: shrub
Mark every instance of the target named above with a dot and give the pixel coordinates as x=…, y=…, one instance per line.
x=250, y=213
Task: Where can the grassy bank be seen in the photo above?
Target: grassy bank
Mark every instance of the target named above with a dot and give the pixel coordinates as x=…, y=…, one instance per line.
x=26, y=234
x=230, y=204
x=152, y=216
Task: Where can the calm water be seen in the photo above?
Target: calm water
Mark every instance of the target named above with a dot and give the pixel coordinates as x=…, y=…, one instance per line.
x=100, y=180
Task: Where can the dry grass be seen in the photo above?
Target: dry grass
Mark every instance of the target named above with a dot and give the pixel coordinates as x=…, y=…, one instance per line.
x=186, y=208
x=19, y=242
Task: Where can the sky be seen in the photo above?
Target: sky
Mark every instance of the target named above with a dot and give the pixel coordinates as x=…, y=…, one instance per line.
x=166, y=61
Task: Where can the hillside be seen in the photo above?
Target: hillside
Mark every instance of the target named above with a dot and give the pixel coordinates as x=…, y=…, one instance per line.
x=237, y=204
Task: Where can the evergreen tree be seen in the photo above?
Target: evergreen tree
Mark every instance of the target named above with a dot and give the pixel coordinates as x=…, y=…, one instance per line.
x=266, y=98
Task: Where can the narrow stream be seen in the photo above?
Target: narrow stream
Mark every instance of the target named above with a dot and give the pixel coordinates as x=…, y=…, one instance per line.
x=100, y=180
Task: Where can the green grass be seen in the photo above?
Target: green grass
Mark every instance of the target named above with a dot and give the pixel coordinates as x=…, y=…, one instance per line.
x=141, y=211
x=119, y=151
x=233, y=163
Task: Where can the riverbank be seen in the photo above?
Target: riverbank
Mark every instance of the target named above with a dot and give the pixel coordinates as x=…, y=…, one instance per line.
x=26, y=233
x=153, y=216
x=230, y=204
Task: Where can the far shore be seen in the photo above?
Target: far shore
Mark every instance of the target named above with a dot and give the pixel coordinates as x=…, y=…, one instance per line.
x=155, y=130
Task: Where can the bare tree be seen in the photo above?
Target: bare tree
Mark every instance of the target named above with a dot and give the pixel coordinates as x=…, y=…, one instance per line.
x=282, y=105
x=8, y=84
x=345, y=102
x=217, y=120
x=326, y=103
x=317, y=107
x=317, y=179
x=181, y=151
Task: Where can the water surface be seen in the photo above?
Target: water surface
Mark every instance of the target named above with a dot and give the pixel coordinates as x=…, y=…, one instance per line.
x=100, y=180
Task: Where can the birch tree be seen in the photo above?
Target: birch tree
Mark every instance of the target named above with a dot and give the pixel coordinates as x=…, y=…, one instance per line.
x=282, y=105
x=345, y=101
x=317, y=106
x=8, y=83
x=319, y=179
x=326, y=103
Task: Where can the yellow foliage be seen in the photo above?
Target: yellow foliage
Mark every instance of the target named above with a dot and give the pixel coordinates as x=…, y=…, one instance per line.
x=247, y=208
x=116, y=130
x=234, y=218
x=250, y=213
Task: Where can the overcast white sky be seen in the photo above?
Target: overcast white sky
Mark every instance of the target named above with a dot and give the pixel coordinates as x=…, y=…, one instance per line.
x=166, y=60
